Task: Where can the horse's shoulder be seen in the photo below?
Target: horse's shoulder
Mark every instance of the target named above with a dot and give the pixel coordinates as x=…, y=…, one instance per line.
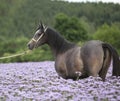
x=68, y=55
x=73, y=50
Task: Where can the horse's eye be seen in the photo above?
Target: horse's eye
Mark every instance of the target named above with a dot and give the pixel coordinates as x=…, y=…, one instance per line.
x=39, y=34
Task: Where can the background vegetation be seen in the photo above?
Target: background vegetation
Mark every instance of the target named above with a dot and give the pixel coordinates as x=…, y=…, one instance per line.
x=77, y=22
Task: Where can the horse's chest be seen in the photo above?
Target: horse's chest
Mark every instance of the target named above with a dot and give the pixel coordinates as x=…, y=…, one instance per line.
x=60, y=66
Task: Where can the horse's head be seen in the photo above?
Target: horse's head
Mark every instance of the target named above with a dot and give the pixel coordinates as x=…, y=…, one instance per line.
x=39, y=37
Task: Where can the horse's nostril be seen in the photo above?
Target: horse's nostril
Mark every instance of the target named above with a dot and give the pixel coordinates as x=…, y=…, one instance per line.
x=28, y=45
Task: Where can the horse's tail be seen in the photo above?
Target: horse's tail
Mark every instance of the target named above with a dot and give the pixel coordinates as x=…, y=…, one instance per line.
x=115, y=56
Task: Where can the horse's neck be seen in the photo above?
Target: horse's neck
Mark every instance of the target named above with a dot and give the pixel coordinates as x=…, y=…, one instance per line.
x=58, y=44
x=61, y=48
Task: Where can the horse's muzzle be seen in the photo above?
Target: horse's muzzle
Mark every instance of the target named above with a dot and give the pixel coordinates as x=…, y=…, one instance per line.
x=30, y=45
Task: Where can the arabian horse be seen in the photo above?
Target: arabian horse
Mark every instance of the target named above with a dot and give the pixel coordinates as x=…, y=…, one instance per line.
x=74, y=62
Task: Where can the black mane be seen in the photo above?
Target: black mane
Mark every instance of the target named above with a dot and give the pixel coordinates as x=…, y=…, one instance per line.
x=57, y=42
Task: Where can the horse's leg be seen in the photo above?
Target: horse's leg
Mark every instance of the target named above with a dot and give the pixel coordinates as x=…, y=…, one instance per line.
x=106, y=64
x=93, y=60
x=93, y=65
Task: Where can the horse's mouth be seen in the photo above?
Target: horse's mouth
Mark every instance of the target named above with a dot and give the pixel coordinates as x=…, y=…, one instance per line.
x=30, y=47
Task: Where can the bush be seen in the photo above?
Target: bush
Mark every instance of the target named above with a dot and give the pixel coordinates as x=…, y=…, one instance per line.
x=19, y=45
x=70, y=28
x=109, y=34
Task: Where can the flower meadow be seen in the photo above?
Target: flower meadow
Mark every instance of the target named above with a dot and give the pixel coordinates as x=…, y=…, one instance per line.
x=38, y=81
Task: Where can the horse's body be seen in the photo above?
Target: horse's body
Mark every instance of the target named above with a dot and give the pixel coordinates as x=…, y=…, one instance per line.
x=68, y=63
x=72, y=61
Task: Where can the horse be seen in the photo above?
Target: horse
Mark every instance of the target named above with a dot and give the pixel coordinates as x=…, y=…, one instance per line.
x=75, y=62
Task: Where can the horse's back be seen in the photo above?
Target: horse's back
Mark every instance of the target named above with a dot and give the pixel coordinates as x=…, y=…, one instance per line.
x=92, y=55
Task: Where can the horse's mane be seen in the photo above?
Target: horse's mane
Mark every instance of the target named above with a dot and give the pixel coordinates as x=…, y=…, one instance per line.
x=56, y=39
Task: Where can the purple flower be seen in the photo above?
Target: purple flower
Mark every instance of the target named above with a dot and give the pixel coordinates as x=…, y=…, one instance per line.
x=39, y=81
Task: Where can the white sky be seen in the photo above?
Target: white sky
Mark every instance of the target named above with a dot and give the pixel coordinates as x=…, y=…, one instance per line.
x=113, y=1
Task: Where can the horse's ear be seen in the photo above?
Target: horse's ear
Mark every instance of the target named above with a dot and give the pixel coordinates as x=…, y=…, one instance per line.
x=41, y=26
x=41, y=23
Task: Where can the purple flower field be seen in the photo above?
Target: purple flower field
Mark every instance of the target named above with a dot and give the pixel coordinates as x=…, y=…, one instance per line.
x=38, y=81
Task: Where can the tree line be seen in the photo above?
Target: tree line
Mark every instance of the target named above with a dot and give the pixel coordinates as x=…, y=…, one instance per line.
x=77, y=22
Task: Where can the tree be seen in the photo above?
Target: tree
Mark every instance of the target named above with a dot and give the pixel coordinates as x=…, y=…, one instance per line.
x=109, y=34
x=70, y=28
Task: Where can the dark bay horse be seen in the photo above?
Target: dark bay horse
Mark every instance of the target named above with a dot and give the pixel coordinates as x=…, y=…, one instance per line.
x=74, y=62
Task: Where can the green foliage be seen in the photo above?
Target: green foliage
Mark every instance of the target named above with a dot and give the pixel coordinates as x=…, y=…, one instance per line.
x=109, y=34
x=19, y=19
x=70, y=27
x=17, y=46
